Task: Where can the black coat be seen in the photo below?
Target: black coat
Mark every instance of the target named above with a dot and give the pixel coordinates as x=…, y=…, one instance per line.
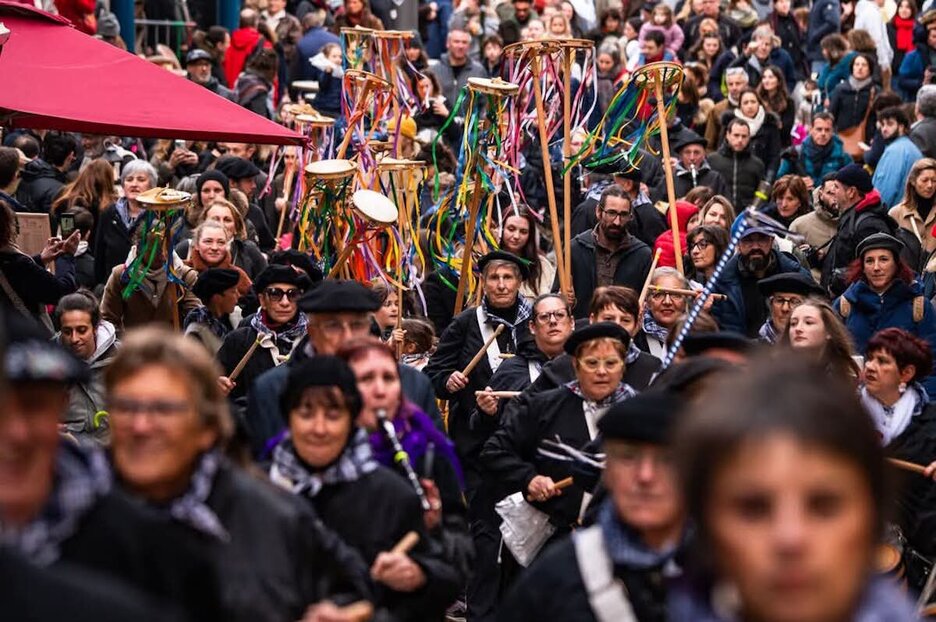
x=124, y=540
x=280, y=559
x=742, y=171
x=646, y=224
x=849, y=107
x=705, y=176
x=631, y=270
x=916, y=498
x=440, y=300
x=35, y=285
x=869, y=216
x=552, y=589
x=350, y=509
x=112, y=243
x=235, y=346
x=40, y=186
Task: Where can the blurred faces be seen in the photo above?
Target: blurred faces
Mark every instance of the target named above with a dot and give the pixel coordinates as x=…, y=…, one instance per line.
x=77, y=334
x=225, y=302
x=599, y=369
x=212, y=246
x=717, y=214
x=821, y=132
x=501, y=284
x=782, y=7
x=692, y=156
x=378, y=380
x=792, y=527
x=241, y=150
x=788, y=204
x=754, y=250
x=890, y=128
x=736, y=82
x=613, y=218
x=931, y=37
x=222, y=214
x=424, y=89
x=807, y=329
x=605, y=63
x=210, y=191
x=458, y=43
x=29, y=440
x=883, y=377
x=749, y=105
x=769, y=79
x=516, y=234
x=711, y=46
x=925, y=184
x=135, y=184
x=880, y=268
x=650, y=49
x=354, y=7
x=157, y=433
x=710, y=8
x=319, y=432
x=278, y=302
x=328, y=331
x=642, y=484
x=521, y=10
x=614, y=313
x=492, y=52
x=535, y=30
x=551, y=325
x=738, y=136
x=702, y=253
x=389, y=311
x=200, y=71
x=781, y=307
x=247, y=185
x=861, y=68
x=666, y=308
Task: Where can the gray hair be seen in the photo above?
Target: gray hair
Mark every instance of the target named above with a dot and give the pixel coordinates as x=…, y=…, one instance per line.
x=666, y=271
x=737, y=71
x=139, y=166
x=501, y=263
x=926, y=100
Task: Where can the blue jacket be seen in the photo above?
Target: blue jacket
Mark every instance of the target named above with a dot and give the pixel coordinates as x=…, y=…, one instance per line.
x=825, y=17
x=805, y=164
x=831, y=76
x=328, y=99
x=870, y=313
x=890, y=175
x=309, y=45
x=731, y=312
x=910, y=74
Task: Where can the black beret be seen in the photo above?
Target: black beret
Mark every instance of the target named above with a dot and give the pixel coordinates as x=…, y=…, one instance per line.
x=320, y=371
x=688, y=138
x=298, y=259
x=339, y=296
x=30, y=356
x=880, y=241
x=699, y=343
x=504, y=256
x=276, y=273
x=214, y=281
x=683, y=376
x=214, y=175
x=597, y=330
x=855, y=175
x=789, y=283
x=647, y=418
x=236, y=167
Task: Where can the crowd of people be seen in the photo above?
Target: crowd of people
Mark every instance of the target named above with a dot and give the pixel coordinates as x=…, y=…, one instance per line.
x=231, y=434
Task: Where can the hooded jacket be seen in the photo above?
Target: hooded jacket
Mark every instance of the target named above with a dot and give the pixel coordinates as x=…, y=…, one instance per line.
x=741, y=170
x=705, y=176
x=664, y=243
x=631, y=270
x=41, y=184
x=243, y=42
x=868, y=216
x=87, y=398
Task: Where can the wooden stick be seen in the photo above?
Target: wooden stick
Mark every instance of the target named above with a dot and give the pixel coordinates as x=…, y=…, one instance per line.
x=547, y=175
x=287, y=184
x=566, y=156
x=469, y=243
x=487, y=344
x=499, y=394
x=561, y=484
x=691, y=293
x=243, y=362
x=668, y=170
x=406, y=543
x=342, y=259
x=646, y=285
x=358, y=109
x=907, y=466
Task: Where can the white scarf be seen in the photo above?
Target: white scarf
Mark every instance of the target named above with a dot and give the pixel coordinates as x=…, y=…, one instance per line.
x=891, y=421
x=756, y=122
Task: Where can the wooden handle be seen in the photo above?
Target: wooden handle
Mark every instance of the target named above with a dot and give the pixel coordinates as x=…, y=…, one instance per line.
x=287, y=185
x=907, y=466
x=560, y=485
x=499, y=394
x=646, y=286
x=406, y=543
x=361, y=611
x=244, y=359
x=487, y=344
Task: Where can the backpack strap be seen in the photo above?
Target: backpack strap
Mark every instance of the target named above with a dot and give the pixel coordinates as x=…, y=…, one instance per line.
x=844, y=307
x=918, y=309
x=606, y=595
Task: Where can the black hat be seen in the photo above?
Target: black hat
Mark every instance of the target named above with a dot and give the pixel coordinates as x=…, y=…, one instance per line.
x=30, y=356
x=683, y=376
x=280, y=274
x=213, y=175
x=789, y=283
x=320, y=371
x=855, y=175
x=878, y=241
x=297, y=259
x=504, y=256
x=596, y=331
x=215, y=281
x=196, y=55
x=698, y=343
x=339, y=296
x=647, y=418
x=236, y=167
x=688, y=138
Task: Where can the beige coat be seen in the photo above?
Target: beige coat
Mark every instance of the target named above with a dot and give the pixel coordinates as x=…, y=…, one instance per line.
x=137, y=311
x=910, y=220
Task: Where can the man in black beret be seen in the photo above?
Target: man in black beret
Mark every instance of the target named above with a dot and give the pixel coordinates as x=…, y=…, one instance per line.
x=618, y=568
x=217, y=290
x=243, y=175
x=693, y=169
x=277, y=328
x=334, y=312
x=783, y=292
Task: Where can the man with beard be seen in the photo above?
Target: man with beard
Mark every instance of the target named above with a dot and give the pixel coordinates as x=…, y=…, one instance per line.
x=900, y=153
x=818, y=226
x=501, y=305
x=745, y=308
x=608, y=254
x=198, y=70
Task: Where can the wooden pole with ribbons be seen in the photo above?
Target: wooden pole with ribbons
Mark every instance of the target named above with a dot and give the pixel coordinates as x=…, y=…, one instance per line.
x=668, y=171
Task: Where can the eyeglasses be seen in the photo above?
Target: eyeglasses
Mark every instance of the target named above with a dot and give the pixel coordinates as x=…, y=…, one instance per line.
x=661, y=296
x=546, y=316
x=593, y=364
x=276, y=294
x=161, y=409
x=333, y=327
x=780, y=301
x=701, y=245
x=632, y=455
x=612, y=215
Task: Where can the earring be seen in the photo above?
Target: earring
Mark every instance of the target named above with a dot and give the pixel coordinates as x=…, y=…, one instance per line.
x=902, y=388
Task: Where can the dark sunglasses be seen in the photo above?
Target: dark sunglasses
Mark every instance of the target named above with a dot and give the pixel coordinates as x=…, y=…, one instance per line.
x=276, y=294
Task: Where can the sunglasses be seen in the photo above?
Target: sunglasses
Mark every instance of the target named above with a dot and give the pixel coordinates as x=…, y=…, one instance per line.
x=276, y=294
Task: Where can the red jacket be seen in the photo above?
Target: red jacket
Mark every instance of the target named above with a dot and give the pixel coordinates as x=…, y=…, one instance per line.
x=80, y=13
x=243, y=43
x=684, y=213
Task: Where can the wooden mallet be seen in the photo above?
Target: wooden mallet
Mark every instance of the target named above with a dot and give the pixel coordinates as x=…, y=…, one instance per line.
x=487, y=344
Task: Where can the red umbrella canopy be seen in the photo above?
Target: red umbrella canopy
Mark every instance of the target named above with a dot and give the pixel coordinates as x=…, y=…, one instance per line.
x=55, y=77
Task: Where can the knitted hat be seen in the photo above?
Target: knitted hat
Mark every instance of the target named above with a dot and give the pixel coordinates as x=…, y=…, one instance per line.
x=856, y=176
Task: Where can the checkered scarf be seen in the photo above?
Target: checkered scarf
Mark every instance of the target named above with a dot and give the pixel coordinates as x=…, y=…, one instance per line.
x=524, y=311
x=623, y=392
x=81, y=477
x=652, y=328
x=192, y=508
x=289, y=472
x=767, y=333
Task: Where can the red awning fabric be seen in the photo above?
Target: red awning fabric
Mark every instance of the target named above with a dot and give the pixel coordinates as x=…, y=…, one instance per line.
x=55, y=77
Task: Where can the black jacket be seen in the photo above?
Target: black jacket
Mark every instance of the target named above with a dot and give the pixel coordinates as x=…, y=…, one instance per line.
x=684, y=180
x=631, y=270
x=849, y=107
x=742, y=172
x=35, y=285
x=280, y=558
x=234, y=347
x=112, y=243
x=916, y=497
x=40, y=185
x=854, y=225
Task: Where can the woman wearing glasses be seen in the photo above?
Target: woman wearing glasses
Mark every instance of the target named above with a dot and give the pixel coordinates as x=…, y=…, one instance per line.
x=705, y=245
x=661, y=311
x=571, y=413
x=278, y=326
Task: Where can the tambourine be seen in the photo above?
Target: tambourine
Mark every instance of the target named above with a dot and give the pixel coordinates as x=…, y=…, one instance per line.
x=531, y=48
x=575, y=44
x=331, y=169
x=359, y=31
x=159, y=199
x=396, y=164
x=670, y=73
x=492, y=86
x=314, y=120
x=375, y=207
